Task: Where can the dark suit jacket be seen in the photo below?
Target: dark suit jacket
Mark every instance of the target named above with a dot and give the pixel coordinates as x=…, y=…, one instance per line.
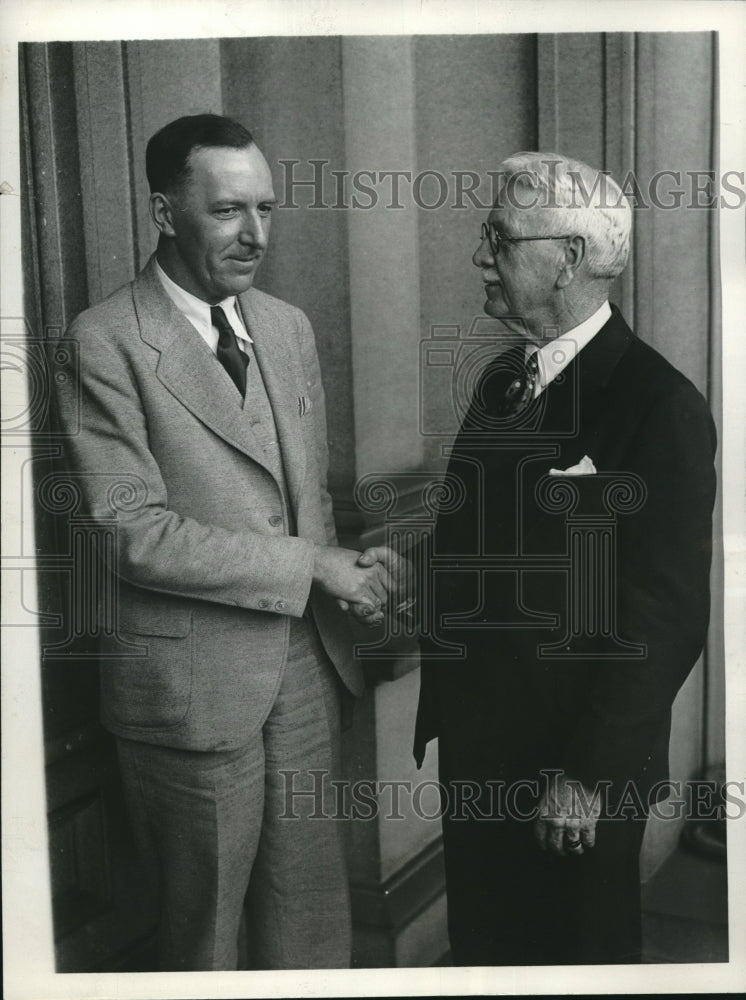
x=595, y=716
x=209, y=572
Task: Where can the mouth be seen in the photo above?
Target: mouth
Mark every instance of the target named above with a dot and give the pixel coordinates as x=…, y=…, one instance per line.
x=495, y=304
x=245, y=261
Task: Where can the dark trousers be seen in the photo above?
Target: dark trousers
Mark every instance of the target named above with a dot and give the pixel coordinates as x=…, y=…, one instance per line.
x=510, y=903
x=226, y=831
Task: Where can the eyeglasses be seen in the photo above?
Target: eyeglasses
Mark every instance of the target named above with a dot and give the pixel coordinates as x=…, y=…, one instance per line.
x=494, y=239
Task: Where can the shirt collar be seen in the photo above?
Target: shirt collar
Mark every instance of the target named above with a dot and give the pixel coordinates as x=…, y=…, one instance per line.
x=197, y=311
x=558, y=353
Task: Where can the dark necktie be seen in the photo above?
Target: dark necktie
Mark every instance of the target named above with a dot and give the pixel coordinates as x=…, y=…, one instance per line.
x=230, y=355
x=520, y=392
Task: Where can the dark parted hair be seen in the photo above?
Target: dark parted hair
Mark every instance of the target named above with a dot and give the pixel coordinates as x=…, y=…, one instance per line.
x=168, y=150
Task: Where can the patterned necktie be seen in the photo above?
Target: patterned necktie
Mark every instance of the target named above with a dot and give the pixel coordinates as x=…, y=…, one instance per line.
x=520, y=392
x=230, y=355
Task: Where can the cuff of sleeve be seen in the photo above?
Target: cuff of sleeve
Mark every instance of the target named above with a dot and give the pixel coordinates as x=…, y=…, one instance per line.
x=288, y=582
x=576, y=766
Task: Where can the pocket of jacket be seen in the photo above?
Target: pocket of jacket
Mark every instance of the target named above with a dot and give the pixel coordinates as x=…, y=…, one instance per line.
x=140, y=618
x=153, y=689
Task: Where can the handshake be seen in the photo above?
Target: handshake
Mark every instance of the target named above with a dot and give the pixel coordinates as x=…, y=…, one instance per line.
x=366, y=585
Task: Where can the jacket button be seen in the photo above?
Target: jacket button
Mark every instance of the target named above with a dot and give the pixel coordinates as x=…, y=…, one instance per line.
x=280, y=606
x=275, y=520
x=264, y=603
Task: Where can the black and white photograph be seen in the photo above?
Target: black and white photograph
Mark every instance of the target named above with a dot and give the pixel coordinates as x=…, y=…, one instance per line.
x=373, y=440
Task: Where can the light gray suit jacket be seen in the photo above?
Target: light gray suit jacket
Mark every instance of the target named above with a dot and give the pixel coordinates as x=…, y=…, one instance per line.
x=208, y=575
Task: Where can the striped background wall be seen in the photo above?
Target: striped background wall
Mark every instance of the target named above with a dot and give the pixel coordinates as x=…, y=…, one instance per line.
x=375, y=281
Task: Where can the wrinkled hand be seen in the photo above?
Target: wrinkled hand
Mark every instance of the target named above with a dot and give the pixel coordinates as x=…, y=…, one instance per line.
x=566, y=823
x=355, y=585
x=399, y=575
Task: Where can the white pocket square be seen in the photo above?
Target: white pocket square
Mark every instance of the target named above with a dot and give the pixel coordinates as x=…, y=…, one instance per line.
x=585, y=467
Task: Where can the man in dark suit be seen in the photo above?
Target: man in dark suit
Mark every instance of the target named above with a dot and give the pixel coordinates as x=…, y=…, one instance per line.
x=570, y=588
x=203, y=397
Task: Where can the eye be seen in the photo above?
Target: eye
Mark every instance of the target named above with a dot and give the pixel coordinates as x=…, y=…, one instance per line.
x=266, y=208
x=225, y=213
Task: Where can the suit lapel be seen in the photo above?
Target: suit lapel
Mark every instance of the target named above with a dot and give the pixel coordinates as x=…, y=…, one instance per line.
x=278, y=356
x=187, y=367
x=579, y=401
x=575, y=403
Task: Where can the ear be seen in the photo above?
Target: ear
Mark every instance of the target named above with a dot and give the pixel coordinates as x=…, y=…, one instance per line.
x=161, y=212
x=574, y=257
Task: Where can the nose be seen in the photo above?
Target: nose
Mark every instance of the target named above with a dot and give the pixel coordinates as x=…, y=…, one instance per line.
x=254, y=230
x=483, y=256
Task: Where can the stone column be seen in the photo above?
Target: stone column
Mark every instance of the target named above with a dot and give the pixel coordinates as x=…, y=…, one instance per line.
x=395, y=857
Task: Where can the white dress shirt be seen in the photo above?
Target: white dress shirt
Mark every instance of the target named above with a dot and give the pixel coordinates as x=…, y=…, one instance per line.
x=198, y=313
x=558, y=353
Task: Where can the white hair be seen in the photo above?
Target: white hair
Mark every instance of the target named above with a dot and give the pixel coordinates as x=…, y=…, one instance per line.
x=571, y=197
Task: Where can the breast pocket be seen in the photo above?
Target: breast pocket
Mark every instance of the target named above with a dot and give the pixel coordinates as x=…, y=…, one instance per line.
x=151, y=688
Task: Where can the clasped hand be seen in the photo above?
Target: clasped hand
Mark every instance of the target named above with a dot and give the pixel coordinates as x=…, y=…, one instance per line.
x=567, y=817
x=366, y=583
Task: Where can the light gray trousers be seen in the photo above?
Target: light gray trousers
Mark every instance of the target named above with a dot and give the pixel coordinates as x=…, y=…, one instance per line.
x=226, y=828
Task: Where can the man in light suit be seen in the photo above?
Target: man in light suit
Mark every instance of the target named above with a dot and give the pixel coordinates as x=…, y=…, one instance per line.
x=543, y=706
x=204, y=396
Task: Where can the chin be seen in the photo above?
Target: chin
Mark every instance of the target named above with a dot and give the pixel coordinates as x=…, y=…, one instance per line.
x=499, y=311
x=237, y=287
x=494, y=309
